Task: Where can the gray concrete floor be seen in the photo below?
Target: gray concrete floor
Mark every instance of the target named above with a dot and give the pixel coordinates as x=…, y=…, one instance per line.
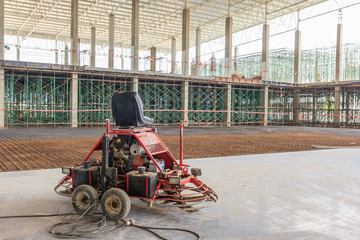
x=300, y=195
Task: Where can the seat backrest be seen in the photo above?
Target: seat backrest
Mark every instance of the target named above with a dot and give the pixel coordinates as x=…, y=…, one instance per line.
x=127, y=110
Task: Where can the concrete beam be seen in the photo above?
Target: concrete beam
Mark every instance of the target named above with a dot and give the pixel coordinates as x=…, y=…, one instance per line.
x=297, y=57
x=265, y=106
x=153, y=59
x=173, y=55
x=74, y=35
x=228, y=46
x=265, y=53
x=185, y=42
x=197, y=51
x=66, y=55
x=337, y=106
x=92, y=46
x=2, y=30
x=74, y=99
x=111, y=41
x=339, y=43
x=2, y=97
x=135, y=36
x=228, y=105
x=185, y=103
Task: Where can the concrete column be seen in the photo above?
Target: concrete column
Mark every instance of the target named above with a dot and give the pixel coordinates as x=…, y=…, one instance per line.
x=197, y=51
x=337, y=106
x=297, y=57
x=185, y=42
x=56, y=56
x=297, y=70
x=339, y=41
x=153, y=59
x=17, y=52
x=2, y=30
x=228, y=105
x=56, y=52
x=2, y=95
x=111, y=41
x=185, y=103
x=173, y=55
x=135, y=36
x=314, y=108
x=66, y=55
x=18, y=49
x=135, y=84
x=296, y=107
x=236, y=52
x=265, y=53
x=74, y=99
x=92, y=46
x=265, y=106
x=74, y=35
x=228, y=46
x=338, y=74
x=122, y=58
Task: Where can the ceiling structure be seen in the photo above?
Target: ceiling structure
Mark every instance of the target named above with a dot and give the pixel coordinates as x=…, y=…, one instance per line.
x=159, y=19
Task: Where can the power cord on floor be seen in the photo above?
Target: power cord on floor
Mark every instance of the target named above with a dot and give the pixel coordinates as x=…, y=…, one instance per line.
x=73, y=226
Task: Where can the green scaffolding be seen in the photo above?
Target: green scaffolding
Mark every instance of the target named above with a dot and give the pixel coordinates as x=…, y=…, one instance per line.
x=246, y=105
x=162, y=100
x=206, y=103
x=49, y=94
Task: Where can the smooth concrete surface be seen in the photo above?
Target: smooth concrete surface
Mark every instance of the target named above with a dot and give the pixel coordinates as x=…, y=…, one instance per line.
x=301, y=195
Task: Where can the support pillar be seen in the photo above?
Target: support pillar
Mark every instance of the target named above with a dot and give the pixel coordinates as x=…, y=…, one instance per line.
x=265, y=53
x=337, y=106
x=66, y=55
x=74, y=99
x=173, y=55
x=122, y=58
x=297, y=80
x=197, y=51
x=236, y=52
x=74, y=35
x=92, y=46
x=265, y=106
x=228, y=46
x=56, y=52
x=135, y=43
x=153, y=59
x=296, y=107
x=135, y=36
x=2, y=96
x=185, y=42
x=2, y=32
x=338, y=74
x=111, y=42
x=185, y=103
x=314, y=117
x=18, y=49
x=228, y=105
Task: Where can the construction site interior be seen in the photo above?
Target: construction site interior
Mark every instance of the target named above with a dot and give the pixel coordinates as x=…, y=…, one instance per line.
x=274, y=129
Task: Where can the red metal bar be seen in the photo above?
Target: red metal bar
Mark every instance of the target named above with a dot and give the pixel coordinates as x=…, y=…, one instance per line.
x=181, y=143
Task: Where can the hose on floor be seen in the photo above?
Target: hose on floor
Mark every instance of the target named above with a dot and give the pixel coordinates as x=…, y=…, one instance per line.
x=74, y=226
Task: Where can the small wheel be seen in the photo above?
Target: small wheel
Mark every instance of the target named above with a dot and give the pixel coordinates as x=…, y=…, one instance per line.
x=85, y=199
x=115, y=204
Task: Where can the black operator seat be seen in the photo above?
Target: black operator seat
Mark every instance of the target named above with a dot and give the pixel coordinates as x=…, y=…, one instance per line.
x=128, y=110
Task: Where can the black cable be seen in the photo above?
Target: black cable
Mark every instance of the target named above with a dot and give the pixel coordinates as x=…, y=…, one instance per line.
x=77, y=232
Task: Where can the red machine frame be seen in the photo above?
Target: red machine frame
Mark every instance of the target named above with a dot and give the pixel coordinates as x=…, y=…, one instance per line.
x=167, y=196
